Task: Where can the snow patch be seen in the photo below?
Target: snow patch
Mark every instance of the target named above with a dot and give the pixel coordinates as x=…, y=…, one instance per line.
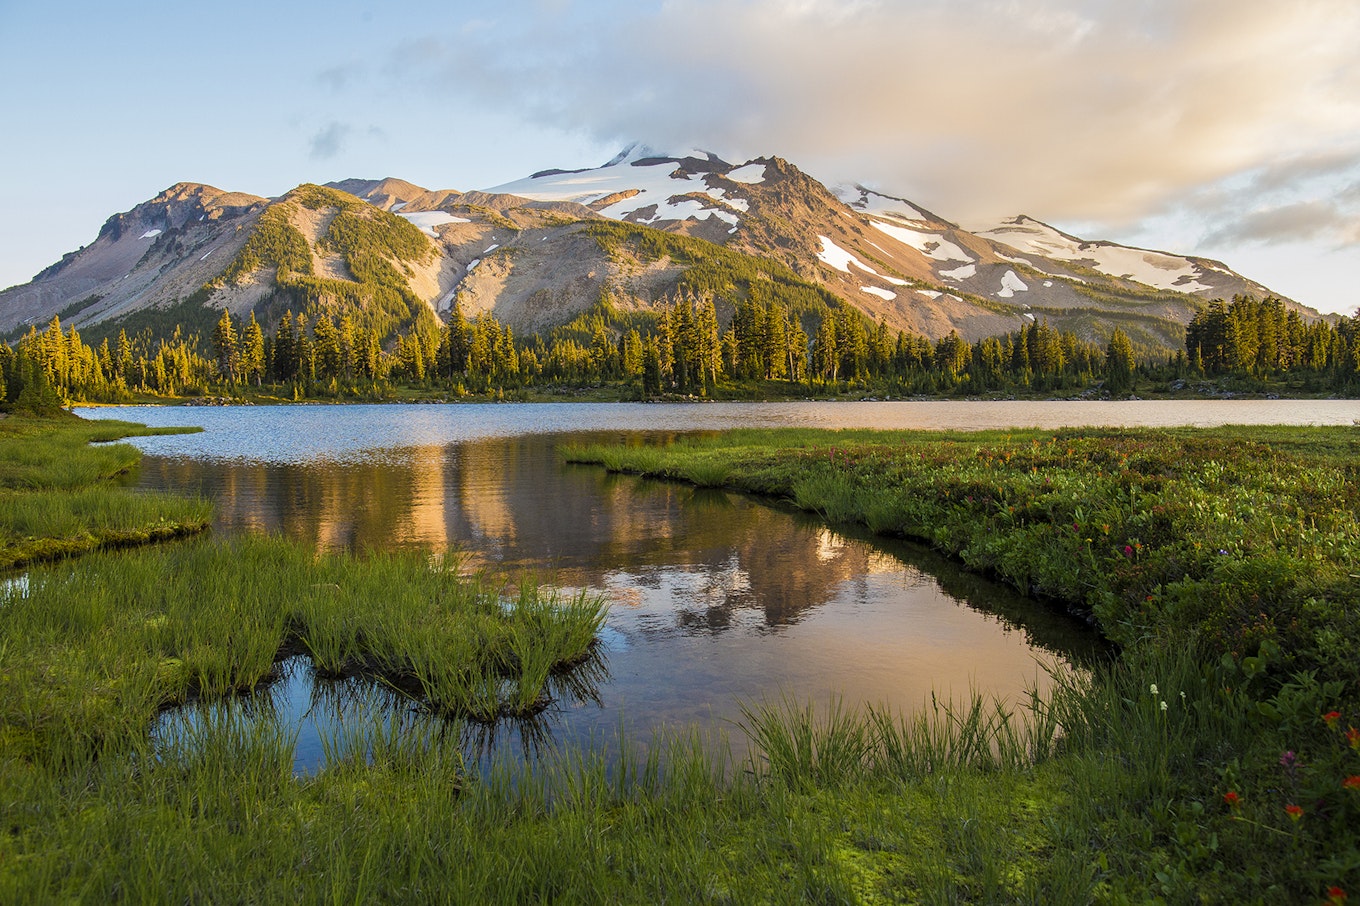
x=751, y=174
x=885, y=294
x=840, y=259
x=473, y=263
x=654, y=184
x=960, y=273
x=930, y=293
x=871, y=202
x=1048, y=283
x=1010, y=285
x=150, y=234
x=428, y=220
x=206, y=254
x=1155, y=269
x=932, y=245
x=491, y=248
x=397, y=207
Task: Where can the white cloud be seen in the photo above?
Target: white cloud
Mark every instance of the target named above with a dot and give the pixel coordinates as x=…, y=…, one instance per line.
x=1072, y=108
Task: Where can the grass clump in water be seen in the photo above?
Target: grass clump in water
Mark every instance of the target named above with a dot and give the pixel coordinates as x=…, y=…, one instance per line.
x=96, y=647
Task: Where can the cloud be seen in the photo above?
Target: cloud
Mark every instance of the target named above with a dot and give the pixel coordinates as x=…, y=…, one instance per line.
x=1075, y=109
x=340, y=77
x=1301, y=221
x=328, y=142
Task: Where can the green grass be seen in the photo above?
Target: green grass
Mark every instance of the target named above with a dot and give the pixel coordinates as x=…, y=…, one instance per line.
x=57, y=498
x=95, y=649
x=1108, y=788
x=1223, y=562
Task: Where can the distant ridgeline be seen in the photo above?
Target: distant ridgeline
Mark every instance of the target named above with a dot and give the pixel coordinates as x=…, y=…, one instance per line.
x=767, y=348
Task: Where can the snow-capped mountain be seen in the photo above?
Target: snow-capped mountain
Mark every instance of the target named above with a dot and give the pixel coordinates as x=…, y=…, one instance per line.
x=525, y=251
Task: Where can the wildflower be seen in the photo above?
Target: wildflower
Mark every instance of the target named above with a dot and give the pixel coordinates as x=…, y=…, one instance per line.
x=1288, y=759
x=1153, y=688
x=1335, y=896
x=1232, y=799
x=1330, y=718
x=1351, y=783
x=1163, y=706
x=1353, y=738
x=1295, y=812
x=1128, y=550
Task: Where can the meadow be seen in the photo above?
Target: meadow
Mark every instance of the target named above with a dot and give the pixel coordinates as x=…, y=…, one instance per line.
x=1213, y=760
x=1224, y=564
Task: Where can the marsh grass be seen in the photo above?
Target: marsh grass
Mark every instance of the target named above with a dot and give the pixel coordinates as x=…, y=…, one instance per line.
x=1222, y=562
x=101, y=644
x=1107, y=788
x=56, y=496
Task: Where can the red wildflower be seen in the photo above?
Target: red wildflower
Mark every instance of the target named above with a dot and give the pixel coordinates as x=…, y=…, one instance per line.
x=1128, y=551
x=1352, y=782
x=1330, y=718
x=1353, y=737
x=1335, y=896
x=1232, y=799
x=1295, y=812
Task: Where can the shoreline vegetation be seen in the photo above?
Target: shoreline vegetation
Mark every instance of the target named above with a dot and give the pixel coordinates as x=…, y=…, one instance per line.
x=1215, y=759
x=58, y=498
x=1224, y=563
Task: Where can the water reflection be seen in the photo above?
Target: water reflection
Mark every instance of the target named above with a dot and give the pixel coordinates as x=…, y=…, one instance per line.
x=715, y=598
x=329, y=720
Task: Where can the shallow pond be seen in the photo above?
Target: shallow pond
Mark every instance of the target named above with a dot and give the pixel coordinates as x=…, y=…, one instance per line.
x=715, y=599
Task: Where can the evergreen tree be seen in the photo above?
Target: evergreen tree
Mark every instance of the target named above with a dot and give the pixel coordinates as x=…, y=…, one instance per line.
x=252, y=352
x=1119, y=363
x=224, y=344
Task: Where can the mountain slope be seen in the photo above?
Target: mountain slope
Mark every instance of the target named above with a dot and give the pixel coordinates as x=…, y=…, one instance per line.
x=896, y=260
x=160, y=251
x=527, y=252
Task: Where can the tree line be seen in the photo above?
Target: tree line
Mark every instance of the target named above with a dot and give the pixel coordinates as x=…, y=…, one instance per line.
x=682, y=349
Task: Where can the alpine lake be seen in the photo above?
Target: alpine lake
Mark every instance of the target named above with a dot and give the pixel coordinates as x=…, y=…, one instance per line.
x=716, y=600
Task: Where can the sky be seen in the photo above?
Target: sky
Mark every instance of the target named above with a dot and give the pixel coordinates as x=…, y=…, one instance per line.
x=1223, y=128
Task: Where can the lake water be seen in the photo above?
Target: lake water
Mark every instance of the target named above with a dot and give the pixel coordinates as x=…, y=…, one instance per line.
x=715, y=599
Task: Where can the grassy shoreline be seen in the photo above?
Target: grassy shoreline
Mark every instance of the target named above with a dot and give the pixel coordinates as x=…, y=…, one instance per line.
x=1237, y=548
x=58, y=500
x=1111, y=788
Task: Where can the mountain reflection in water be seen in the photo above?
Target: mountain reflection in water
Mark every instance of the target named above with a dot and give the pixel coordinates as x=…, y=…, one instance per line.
x=715, y=598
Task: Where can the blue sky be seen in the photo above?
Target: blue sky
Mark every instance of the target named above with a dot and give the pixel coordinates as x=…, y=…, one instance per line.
x=1228, y=128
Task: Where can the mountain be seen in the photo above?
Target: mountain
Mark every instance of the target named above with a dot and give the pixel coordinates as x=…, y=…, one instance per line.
x=643, y=227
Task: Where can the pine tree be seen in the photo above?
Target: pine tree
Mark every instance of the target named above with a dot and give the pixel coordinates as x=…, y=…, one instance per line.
x=224, y=343
x=252, y=352
x=1119, y=363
